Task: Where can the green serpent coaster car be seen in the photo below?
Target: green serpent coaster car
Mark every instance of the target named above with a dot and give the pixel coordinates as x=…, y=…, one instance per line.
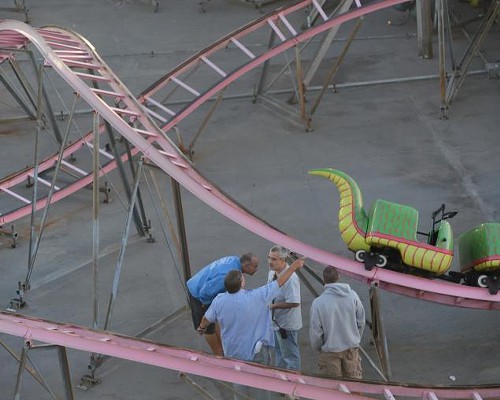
x=388, y=232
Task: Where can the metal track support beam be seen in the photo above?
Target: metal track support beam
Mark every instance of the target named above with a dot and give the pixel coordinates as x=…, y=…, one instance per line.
x=176, y=193
x=190, y=149
x=424, y=29
x=329, y=77
x=63, y=364
x=460, y=72
x=378, y=332
x=95, y=225
x=34, y=238
x=125, y=236
x=301, y=90
x=17, y=97
x=19, y=7
x=48, y=106
x=265, y=68
x=326, y=43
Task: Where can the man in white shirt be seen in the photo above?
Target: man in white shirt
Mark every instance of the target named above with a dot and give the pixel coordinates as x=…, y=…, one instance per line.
x=286, y=312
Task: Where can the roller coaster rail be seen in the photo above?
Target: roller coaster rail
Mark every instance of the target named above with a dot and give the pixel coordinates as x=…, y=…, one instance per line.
x=152, y=98
x=67, y=52
x=197, y=363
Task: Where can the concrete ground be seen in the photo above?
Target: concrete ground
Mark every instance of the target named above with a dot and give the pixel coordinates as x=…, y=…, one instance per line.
x=388, y=137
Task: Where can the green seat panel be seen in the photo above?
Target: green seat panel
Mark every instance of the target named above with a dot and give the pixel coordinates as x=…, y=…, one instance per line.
x=393, y=219
x=478, y=243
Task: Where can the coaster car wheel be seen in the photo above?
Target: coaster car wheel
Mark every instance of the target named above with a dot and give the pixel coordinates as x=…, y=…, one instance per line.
x=482, y=281
x=381, y=261
x=489, y=281
x=360, y=256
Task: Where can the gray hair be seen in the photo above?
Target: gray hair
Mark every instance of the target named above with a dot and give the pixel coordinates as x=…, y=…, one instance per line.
x=232, y=281
x=283, y=253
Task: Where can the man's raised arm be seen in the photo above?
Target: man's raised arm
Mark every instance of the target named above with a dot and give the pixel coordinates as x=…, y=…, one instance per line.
x=297, y=264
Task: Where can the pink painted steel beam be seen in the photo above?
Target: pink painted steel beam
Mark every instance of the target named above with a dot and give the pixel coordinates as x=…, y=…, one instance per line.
x=59, y=194
x=257, y=61
x=9, y=42
x=173, y=162
x=20, y=177
x=56, y=38
x=225, y=369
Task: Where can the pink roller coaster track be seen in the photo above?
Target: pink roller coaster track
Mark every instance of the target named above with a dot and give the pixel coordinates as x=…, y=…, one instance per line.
x=67, y=52
x=197, y=363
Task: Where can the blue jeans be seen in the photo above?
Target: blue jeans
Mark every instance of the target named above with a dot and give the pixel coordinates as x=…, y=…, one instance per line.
x=287, y=353
x=262, y=357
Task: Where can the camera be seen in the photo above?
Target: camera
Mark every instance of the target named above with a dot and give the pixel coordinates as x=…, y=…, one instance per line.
x=283, y=333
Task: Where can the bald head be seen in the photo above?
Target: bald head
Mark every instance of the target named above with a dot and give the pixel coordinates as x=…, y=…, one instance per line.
x=249, y=263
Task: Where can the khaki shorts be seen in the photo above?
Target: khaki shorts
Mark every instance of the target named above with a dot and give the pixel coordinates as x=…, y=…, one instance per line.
x=344, y=364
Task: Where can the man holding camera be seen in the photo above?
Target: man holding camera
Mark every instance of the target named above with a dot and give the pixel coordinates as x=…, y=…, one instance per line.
x=286, y=312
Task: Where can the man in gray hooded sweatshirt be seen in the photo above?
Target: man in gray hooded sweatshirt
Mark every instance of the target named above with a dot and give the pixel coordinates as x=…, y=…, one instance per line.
x=336, y=326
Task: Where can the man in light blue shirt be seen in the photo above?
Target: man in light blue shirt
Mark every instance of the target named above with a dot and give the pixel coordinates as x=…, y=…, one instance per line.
x=207, y=283
x=245, y=319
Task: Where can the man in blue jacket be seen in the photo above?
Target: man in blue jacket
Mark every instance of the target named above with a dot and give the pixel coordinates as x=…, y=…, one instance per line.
x=336, y=326
x=207, y=283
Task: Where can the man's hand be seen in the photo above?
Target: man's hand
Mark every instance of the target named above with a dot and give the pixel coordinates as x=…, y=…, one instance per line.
x=298, y=263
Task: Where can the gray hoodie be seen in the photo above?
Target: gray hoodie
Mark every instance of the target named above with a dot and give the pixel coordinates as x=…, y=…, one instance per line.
x=337, y=319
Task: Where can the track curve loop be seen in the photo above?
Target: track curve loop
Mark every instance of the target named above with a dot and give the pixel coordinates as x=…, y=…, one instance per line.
x=68, y=53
